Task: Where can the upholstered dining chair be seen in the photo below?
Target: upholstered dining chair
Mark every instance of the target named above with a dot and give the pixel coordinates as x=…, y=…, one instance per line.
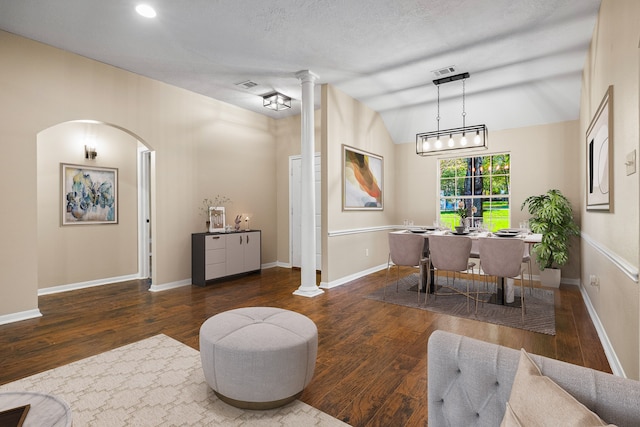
x=405, y=249
x=502, y=257
x=451, y=254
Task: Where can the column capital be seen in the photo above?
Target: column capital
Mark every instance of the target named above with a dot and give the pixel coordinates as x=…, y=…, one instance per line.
x=306, y=76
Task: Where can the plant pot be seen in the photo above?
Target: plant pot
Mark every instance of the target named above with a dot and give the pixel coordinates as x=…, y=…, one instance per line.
x=550, y=277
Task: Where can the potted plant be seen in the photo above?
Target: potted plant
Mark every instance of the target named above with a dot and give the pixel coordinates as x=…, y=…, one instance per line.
x=552, y=217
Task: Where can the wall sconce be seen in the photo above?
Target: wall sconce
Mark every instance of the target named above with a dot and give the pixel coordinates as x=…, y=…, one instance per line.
x=465, y=137
x=276, y=101
x=90, y=152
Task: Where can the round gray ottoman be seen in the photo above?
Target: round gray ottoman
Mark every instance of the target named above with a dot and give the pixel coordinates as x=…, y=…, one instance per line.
x=258, y=357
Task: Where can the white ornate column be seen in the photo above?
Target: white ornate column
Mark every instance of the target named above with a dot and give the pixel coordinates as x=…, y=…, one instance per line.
x=308, y=287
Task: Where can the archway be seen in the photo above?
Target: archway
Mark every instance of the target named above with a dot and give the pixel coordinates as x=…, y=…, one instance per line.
x=79, y=254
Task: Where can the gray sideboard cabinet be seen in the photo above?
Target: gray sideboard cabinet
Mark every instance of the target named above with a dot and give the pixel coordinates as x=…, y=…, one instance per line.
x=220, y=255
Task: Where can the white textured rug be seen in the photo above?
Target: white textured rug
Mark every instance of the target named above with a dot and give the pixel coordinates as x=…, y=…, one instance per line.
x=154, y=382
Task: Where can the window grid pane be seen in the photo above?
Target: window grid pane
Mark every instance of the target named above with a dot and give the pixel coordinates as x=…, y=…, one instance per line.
x=482, y=184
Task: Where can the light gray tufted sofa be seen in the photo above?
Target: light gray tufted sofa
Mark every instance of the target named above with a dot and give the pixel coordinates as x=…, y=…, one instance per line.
x=469, y=383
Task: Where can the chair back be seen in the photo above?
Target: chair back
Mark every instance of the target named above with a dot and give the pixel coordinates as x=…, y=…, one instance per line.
x=450, y=253
x=501, y=257
x=406, y=248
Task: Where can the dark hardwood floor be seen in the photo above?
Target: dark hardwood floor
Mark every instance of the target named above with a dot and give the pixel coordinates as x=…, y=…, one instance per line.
x=372, y=357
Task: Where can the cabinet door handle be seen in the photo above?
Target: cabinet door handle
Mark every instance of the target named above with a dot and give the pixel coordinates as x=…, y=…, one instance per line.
x=215, y=237
x=247, y=239
x=240, y=239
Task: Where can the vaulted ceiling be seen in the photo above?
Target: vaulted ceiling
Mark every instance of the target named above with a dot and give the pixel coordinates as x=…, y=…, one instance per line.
x=525, y=57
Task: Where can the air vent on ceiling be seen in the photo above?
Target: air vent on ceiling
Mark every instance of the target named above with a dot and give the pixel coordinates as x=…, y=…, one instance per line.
x=444, y=71
x=247, y=84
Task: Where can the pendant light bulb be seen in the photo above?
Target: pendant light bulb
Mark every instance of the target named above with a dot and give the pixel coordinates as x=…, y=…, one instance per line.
x=463, y=140
x=451, y=141
x=476, y=139
x=438, y=143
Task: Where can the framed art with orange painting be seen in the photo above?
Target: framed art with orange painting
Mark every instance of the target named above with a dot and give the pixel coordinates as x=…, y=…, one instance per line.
x=362, y=177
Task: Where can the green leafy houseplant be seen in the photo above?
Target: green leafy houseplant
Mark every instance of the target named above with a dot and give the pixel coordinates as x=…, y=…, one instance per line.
x=552, y=217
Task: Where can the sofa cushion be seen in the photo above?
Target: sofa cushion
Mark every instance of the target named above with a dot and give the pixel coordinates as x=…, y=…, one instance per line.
x=536, y=400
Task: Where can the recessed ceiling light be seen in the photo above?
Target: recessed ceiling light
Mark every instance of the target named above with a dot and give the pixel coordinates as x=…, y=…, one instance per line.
x=146, y=11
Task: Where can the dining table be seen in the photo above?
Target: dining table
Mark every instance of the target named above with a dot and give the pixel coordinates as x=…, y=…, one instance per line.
x=508, y=233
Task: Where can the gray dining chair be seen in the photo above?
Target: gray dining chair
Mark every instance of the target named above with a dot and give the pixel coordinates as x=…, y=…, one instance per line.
x=451, y=254
x=405, y=249
x=502, y=257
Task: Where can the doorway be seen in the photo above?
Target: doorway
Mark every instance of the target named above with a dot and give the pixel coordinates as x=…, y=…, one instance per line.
x=144, y=213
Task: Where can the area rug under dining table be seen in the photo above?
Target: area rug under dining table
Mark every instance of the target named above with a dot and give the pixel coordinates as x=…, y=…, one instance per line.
x=539, y=304
x=154, y=382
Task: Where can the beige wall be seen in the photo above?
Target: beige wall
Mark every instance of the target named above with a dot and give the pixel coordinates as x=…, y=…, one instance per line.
x=346, y=121
x=542, y=157
x=613, y=60
x=81, y=253
x=203, y=147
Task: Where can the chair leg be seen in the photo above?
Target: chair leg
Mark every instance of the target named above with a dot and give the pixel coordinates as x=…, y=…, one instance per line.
x=477, y=297
x=426, y=294
x=419, y=283
x=522, y=295
x=454, y=277
x=473, y=285
x=386, y=279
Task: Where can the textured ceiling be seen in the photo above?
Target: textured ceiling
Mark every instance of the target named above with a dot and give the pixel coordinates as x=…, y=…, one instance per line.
x=525, y=57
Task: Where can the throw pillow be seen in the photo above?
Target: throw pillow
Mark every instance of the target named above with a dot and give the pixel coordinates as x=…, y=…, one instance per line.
x=536, y=400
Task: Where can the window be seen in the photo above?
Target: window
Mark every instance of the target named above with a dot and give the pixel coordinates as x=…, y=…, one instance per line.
x=480, y=186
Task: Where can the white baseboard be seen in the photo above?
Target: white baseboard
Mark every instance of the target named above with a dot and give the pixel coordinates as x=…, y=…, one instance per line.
x=349, y=278
x=170, y=285
x=612, y=358
x=22, y=315
x=88, y=284
x=574, y=282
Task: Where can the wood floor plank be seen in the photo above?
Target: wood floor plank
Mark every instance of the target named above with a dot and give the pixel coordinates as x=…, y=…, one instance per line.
x=372, y=356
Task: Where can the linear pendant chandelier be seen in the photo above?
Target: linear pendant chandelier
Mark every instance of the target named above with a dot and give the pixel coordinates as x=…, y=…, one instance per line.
x=462, y=138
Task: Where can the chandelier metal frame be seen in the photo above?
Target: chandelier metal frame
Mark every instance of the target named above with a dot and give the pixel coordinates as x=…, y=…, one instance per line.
x=440, y=141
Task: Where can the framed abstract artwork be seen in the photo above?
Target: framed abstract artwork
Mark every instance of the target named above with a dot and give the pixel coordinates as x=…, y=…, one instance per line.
x=362, y=179
x=599, y=147
x=89, y=195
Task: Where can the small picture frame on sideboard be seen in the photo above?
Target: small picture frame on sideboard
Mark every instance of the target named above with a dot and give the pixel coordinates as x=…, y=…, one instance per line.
x=216, y=219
